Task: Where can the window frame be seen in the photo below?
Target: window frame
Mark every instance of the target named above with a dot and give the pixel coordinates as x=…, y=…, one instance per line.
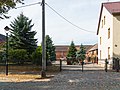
x=102, y=23
x=100, y=40
x=108, y=52
x=108, y=33
x=104, y=20
x=100, y=54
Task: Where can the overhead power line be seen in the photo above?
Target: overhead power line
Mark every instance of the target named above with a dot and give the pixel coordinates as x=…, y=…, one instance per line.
x=29, y=5
x=57, y=14
x=68, y=20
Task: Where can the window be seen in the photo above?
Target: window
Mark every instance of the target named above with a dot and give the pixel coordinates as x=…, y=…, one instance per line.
x=97, y=52
x=108, y=52
x=100, y=40
x=100, y=54
x=104, y=20
x=102, y=23
x=108, y=33
x=92, y=52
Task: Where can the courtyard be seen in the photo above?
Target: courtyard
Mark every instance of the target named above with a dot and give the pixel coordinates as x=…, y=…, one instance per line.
x=70, y=78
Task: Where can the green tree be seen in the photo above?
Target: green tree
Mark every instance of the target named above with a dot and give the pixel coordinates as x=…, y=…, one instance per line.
x=6, y=5
x=2, y=46
x=37, y=56
x=18, y=56
x=80, y=54
x=21, y=36
x=50, y=49
x=72, y=51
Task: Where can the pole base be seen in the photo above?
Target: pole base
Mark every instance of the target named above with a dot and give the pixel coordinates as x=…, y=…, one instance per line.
x=43, y=74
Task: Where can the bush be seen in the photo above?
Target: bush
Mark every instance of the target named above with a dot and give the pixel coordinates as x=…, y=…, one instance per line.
x=37, y=56
x=72, y=61
x=18, y=56
x=2, y=57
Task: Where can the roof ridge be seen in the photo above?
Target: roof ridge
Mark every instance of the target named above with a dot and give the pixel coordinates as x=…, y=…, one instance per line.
x=111, y=2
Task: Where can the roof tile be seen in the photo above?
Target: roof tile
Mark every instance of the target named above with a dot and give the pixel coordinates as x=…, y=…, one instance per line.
x=112, y=7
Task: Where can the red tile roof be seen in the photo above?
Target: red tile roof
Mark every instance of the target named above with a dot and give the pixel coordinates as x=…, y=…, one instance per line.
x=112, y=7
x=95, y=47
x=66, y=47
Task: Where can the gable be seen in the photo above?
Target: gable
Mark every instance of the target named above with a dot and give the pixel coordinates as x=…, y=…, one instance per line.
x=111, y=7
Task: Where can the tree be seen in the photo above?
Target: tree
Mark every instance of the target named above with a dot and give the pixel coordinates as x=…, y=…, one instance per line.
x=71, y=54
x=50, y=49
x=21, y=36
x=6, y=5
x=37, y=56
x=18, y=56
x=80, y=55
x=72, y=51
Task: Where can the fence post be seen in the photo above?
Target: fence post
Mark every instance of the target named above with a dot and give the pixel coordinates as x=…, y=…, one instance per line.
x=106, y=62
x=60, y=65
x=82, y=65
x=117, y=65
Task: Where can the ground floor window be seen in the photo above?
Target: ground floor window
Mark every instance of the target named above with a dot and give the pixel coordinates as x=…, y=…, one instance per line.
x=108, y=52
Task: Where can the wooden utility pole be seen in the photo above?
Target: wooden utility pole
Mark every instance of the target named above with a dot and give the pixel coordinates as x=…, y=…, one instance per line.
x=43, y=72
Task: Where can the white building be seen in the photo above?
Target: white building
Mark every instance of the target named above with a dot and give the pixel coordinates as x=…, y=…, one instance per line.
x=109, y=32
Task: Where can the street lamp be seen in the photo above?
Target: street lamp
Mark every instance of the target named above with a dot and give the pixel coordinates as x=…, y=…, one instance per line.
x=6, y=63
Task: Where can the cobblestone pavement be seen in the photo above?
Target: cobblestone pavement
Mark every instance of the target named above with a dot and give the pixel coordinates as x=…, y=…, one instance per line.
x=72, y=79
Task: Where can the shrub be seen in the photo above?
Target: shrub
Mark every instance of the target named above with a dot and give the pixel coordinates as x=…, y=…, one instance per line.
x=2, y=57
x=37, y=56
x=18, y=56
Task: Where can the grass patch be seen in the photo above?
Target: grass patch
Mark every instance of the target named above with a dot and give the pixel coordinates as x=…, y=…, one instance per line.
x=21, y=78
x=27, y=73
x=28, y=69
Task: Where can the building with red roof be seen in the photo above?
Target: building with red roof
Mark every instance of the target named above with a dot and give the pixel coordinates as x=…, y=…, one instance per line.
x=109, y=33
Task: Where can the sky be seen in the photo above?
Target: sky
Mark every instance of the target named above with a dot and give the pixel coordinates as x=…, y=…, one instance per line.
x=82, y=13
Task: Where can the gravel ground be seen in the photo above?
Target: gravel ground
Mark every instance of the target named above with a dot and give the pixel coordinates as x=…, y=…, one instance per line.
x=93, y=78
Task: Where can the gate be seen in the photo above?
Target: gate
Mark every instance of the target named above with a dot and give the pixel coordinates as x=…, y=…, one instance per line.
x=80, y=67
x=116, y=64
x=89, y=66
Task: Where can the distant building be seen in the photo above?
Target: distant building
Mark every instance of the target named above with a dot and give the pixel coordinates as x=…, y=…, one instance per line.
x=92, y=54
x=2, y=41
x=109, y=32
x=2, y=38
x=62, y=50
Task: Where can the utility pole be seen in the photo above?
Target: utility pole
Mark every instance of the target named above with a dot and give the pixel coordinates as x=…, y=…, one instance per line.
x=43, y=72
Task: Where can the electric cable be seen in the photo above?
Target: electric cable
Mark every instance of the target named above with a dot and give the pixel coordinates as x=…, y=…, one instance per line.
x=57, y=14
x=28, y=5
x=68, y=20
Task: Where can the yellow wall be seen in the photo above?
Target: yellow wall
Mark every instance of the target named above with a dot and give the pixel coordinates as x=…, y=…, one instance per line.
x=116, y=36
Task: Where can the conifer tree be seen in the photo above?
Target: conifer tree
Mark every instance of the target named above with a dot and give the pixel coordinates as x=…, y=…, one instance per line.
x=22, y=36
x=50, y=49
x=80, y=55
x=72, y=51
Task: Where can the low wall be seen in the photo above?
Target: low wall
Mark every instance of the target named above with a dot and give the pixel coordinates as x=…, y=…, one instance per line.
x=101, y=62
